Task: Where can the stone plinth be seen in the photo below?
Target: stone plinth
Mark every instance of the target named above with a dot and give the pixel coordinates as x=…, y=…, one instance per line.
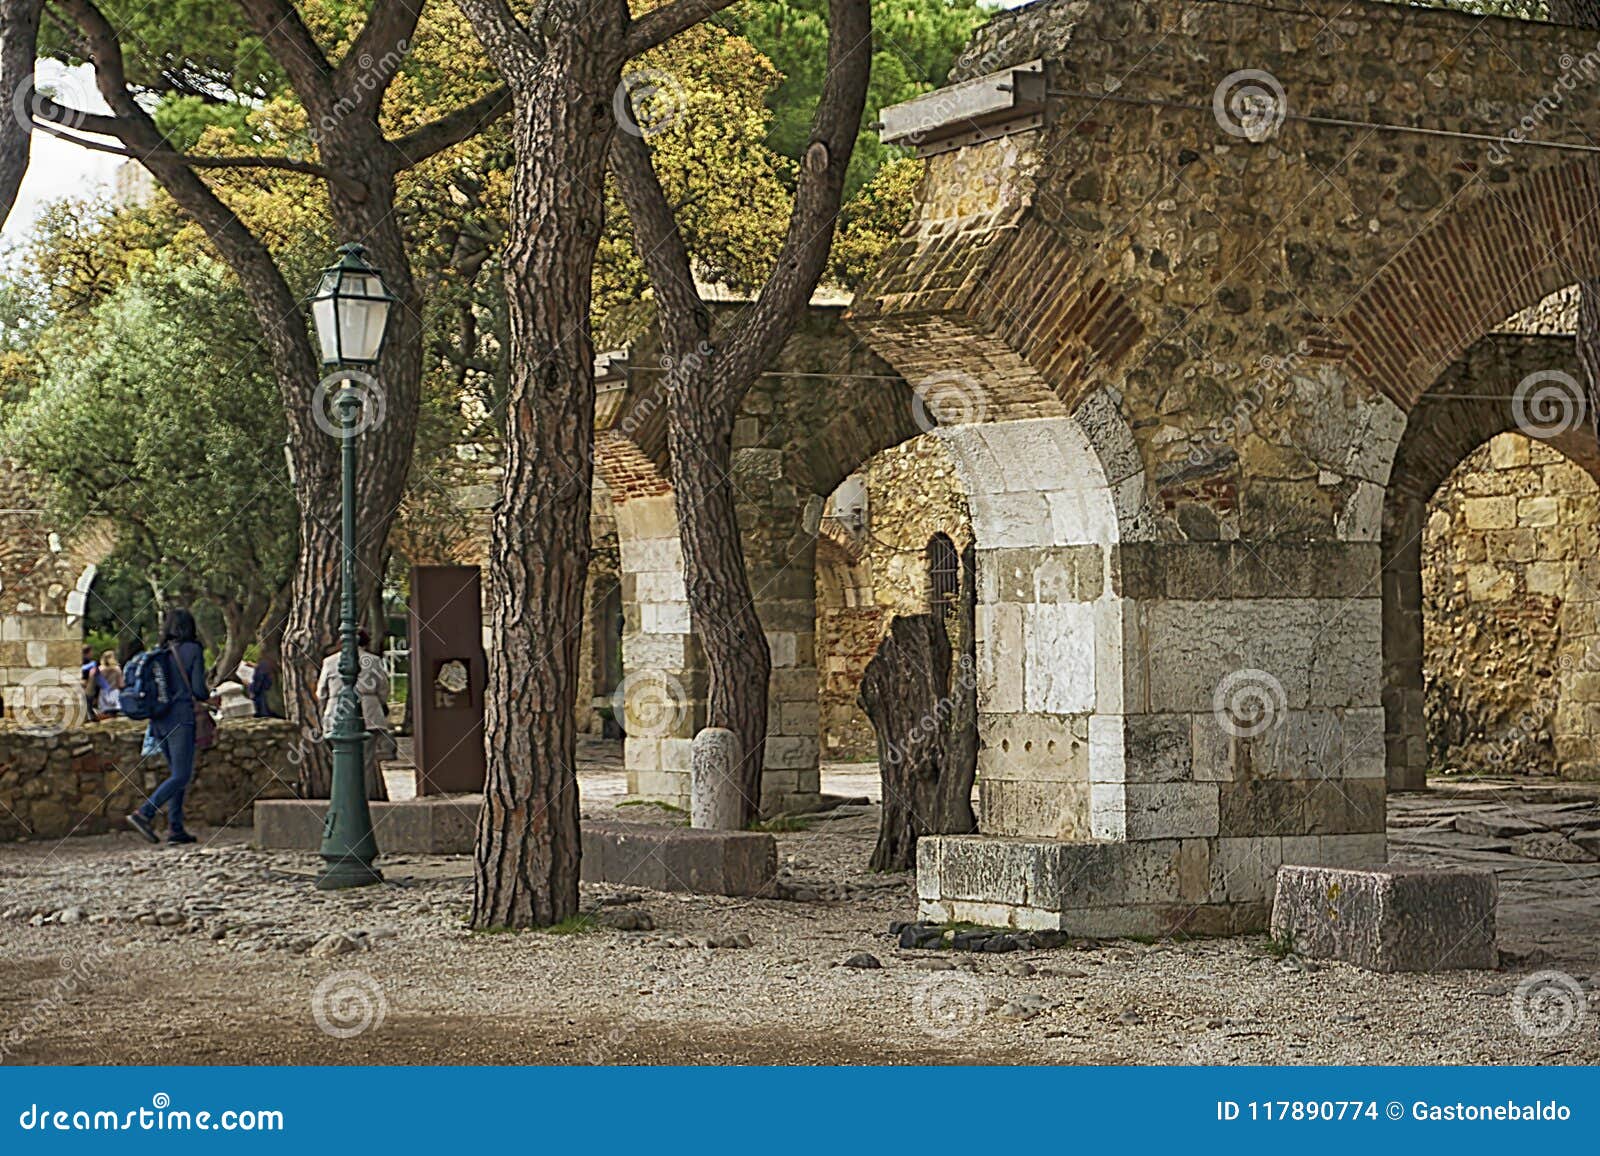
x=1104, y=890
x=630, y=854
x=435, y=825
x=679, y=859
x=1388, y=918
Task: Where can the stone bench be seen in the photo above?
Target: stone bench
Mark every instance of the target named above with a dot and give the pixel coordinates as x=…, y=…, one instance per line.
x=1388, y=918
x=628, y=854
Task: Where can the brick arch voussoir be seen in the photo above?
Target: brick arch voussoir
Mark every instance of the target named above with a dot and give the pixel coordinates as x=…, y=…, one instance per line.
x=1502, y=251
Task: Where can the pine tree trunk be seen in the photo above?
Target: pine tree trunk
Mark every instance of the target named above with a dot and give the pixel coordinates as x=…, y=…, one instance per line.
x=709, y=381
x=19, y=33
x=527, y=856
x=721, y=603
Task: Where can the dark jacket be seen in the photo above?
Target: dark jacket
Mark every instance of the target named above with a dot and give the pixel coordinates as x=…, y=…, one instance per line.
x=192, y=659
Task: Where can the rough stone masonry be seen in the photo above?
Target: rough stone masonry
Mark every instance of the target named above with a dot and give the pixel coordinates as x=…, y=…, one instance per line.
x=1192, y=328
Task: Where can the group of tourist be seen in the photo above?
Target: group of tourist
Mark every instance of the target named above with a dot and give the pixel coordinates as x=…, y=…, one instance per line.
x=102, y=683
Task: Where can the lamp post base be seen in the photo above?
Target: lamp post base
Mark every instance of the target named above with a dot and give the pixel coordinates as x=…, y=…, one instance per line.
x=344, y=872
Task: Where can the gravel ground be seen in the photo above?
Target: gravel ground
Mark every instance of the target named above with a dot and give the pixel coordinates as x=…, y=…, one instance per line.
x=112, y=951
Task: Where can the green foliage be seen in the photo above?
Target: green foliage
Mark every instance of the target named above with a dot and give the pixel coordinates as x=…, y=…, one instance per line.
x=198, y=47
x=159, y=413
x=868, y=224
x=915, y=42
x=122, y=604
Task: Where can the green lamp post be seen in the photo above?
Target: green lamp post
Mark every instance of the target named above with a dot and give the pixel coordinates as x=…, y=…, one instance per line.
x=350, y=310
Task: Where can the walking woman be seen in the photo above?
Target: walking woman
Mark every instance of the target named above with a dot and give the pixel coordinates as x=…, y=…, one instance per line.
x=174, y=733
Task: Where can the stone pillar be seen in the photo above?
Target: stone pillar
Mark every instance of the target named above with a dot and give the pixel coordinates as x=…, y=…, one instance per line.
x=661, y=699
x=1405, y=723
x=714, y=787
x=778, y=520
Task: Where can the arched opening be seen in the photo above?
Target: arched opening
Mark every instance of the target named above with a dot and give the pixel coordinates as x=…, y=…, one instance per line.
x=944, y=573
x=884, y=530
x=1469, y=481
x=1508, y=602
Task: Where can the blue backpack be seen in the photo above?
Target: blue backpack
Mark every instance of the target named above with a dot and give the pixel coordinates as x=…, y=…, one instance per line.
x=148, y=685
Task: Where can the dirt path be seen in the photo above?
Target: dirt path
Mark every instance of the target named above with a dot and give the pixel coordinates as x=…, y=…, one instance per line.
x=114, y=952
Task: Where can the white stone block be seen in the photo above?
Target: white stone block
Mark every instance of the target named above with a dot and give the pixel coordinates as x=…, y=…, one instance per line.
x=664, y=618
x=1059, y=649
x=784, y=648
x=1108, y=811
x=1080, y=516
x=1107, y=749
x=1000, y=658
x=659, y=586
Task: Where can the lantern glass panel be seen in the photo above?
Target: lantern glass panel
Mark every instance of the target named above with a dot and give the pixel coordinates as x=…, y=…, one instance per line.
x=361, y=325
x=322, y=314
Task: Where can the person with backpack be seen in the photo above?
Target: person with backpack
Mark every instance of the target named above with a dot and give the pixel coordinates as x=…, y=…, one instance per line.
x=180, y=663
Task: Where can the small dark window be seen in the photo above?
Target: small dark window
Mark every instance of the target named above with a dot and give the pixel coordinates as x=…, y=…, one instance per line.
x=944, y=571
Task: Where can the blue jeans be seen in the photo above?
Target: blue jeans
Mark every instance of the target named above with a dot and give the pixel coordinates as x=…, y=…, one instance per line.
x=178, y=747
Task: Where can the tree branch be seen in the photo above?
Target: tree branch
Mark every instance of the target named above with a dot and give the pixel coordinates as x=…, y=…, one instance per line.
x=388, y=31
x=661, y=24
x=818, y=191
x=660, y=243
x=291, y=44
x=194, y=162
x=452, y=128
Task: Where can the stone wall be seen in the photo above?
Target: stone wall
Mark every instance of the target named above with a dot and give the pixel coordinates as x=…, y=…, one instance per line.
x=83, y=781
x=1509, y=614
x=866, y=578
x=45, y=577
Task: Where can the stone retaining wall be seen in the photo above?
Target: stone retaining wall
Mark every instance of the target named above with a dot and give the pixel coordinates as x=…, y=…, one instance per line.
x=83, y=781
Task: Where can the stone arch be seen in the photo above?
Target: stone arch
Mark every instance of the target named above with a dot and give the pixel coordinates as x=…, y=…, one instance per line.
x=826, y=407
x=1467, y=406
x=1050, y=630
x=45, y=577
x=1502, y=251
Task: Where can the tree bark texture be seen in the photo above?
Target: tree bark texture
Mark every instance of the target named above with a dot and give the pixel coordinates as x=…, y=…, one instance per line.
x=19, y=36
x=924, y=711
x=563, y=72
